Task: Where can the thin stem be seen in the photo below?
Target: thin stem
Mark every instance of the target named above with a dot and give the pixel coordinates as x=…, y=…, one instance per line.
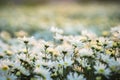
x=46, y=53
x=26, y=45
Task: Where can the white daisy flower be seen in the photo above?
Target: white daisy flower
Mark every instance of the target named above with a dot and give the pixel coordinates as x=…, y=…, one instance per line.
x=88, y=34
x=76, y=41
x=17, y=65
x=8, y=77
x=66, y=62
x=26, y=40
x=116, y=31
x=105, y=57
x=75, y=76
x=56, y=30
x=85, y=52
x=83, y=62
x=114, y=65
x=44, y=73
x=3, y=66
x=101, y=69
x=65, y=48
x=58, y=36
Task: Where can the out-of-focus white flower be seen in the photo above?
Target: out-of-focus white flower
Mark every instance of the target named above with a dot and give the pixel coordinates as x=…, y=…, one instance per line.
x=118, y=61
x=44, y=72
x=8, y=77
x=116, y=32
x=83, y=38
x=4, y=65
x=101, y=69
x=109, y=44
x=24, y=57
x=88, y=34
x=53, y=51
x=26, y=40
x=7, y=62
x=56, y=30
x=76, y=41
x=3, y=77
x=11, y=77
x=17, y=65
x=114, y=29
x=5, y=35
x=114, y=65
x=3, y=46
x=66, y=62
x=105, y=57
x=65, y=48
x=21, y=33
x=83, y=62
x=75, y=76
x=49, y=64
x=105, y=41
x=85, y=52
x=5, y=70
x=24, y=71
x=46, y=44
x=58, y=36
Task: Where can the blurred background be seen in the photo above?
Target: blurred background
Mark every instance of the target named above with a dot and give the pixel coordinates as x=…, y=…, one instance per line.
x=35, y=17
x=49, y=1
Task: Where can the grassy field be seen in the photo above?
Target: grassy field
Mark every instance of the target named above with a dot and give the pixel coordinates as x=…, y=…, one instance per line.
x=71, y=17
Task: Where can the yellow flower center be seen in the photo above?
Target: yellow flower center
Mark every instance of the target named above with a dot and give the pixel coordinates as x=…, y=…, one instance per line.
x=98, y=78
x=101, y=71
x=8, y=79
x=66, y=63
x=5, y=67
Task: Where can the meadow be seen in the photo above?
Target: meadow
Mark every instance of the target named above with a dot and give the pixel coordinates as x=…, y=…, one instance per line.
x=60, y=42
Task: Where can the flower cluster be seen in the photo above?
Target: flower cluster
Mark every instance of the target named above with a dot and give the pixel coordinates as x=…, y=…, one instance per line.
x=67, y=57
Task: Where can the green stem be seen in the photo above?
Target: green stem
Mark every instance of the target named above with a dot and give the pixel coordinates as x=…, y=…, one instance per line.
x=27, y=49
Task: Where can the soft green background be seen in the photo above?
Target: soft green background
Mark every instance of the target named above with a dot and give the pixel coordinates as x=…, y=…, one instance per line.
x=36, y=20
